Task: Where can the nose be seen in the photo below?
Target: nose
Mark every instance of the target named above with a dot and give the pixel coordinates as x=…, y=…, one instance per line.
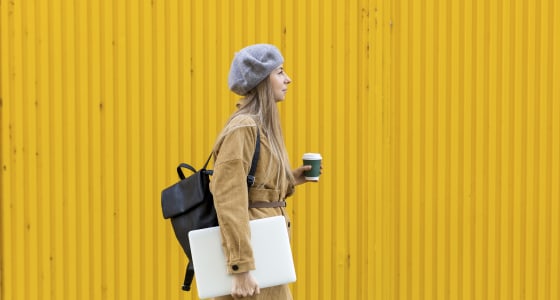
x=287, y=79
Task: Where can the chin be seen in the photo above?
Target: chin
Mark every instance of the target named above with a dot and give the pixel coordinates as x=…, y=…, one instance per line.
x=280, y=99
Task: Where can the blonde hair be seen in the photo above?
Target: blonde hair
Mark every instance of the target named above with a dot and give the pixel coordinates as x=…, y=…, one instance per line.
x=261, y=106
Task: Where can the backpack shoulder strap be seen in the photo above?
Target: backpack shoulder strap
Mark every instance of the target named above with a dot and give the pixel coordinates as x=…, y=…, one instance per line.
x=189, y=274
x=253, y=170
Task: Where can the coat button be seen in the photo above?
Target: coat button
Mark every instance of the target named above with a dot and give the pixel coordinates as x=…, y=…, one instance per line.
x=235, y=267
x=289, y=224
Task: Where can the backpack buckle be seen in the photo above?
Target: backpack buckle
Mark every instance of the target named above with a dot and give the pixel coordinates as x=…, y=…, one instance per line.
x=250, y=180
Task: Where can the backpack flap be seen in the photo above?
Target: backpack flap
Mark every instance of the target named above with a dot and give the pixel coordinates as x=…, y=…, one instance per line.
x=184, y=195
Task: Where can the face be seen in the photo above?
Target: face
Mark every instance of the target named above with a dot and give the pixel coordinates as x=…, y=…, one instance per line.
x=279, y=81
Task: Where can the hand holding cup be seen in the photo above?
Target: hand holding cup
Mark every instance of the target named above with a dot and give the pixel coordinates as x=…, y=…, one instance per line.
x=313, y=160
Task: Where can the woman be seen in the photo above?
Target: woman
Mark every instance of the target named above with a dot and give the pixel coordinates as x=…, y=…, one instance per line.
x=258, y=75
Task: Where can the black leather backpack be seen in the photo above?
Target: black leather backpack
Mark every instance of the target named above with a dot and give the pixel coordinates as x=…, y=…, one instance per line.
x=190, y=205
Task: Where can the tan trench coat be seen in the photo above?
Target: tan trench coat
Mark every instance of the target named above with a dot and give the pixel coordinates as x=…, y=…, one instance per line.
x=229, y=187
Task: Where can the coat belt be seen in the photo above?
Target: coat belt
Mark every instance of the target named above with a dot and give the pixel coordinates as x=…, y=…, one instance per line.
x=265, y=198
x=265, y=204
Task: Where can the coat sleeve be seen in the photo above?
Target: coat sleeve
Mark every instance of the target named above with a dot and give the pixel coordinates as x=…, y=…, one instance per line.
x=229, y=188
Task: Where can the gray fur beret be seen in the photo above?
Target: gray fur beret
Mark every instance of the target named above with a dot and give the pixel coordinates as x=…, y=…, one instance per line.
x=251, y=65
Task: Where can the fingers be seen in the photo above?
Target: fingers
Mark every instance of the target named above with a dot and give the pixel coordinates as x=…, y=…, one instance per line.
x=243, y=293
x=244, y=285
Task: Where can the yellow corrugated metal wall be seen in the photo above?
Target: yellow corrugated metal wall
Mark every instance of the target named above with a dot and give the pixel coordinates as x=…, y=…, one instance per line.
x=439, y=122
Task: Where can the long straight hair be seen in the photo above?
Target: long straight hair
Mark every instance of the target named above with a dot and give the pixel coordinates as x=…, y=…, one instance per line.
x=261, y=106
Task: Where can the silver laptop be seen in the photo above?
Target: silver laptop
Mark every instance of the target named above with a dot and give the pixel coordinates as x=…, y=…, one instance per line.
x=271, y=250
